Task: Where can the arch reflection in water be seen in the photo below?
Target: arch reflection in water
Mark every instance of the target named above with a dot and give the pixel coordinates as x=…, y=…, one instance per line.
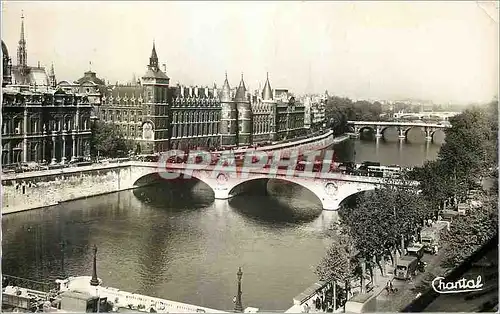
x=176, y=195
x=277, y=202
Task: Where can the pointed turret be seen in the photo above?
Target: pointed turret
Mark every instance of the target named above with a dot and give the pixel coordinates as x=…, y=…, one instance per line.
x=241, y=91
x=153, y=60
x=226, y=91
x=267, y=92
x=21, y=48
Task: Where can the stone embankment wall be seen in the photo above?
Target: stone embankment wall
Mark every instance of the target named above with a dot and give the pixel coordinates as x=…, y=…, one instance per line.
x=19, y=194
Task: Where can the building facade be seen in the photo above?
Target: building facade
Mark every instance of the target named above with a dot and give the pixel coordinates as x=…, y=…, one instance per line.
x=44, y=127
x=39, y=123
x=315, y=115
x=158, y=117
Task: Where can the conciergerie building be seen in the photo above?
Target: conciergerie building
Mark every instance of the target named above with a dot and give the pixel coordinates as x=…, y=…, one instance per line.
x=159, y=117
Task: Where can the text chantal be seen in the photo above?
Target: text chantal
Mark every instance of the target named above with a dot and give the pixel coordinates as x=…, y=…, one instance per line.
x=459, y=286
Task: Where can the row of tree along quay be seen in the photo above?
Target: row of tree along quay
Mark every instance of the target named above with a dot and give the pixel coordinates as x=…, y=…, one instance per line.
x=376, y=227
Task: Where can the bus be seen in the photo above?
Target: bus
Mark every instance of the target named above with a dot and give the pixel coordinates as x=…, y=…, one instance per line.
x=383, y=171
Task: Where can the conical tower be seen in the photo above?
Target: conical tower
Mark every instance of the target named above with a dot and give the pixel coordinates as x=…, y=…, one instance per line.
x=244, y=115
x=267, y=92
x=229, y=117
x=267, y=99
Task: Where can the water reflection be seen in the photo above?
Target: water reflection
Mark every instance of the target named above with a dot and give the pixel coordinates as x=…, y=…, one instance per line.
x=176, y=196
x=398, y=153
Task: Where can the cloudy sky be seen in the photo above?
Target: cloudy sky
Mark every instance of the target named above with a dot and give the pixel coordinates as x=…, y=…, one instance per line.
x=444, y=52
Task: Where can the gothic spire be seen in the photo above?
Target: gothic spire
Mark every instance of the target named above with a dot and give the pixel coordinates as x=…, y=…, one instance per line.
x=267, y=93
x=21, y=48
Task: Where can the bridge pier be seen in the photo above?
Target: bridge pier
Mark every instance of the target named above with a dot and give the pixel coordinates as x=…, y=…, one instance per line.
x=222, y=193
x=331, y=206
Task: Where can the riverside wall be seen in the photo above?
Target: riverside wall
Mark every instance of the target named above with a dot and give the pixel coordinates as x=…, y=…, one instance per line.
x=21, y=193
x=31, y=190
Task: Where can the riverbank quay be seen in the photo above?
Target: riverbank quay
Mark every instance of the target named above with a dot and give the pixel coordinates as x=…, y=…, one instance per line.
x=45, y=188
x=407, y=290
x=357, y=302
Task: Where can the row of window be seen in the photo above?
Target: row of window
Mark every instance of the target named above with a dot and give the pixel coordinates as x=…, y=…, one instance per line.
x=185, y=130
x=34, y=126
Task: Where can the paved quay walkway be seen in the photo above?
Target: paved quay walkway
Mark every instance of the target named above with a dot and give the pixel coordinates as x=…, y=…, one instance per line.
x=405, y=294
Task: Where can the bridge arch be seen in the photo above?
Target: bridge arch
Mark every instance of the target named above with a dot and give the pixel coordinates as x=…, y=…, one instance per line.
x=238, y=188
x=438, y=136
x=152, y=177
x=415, y=134
x=330, y=192
x=390, y=133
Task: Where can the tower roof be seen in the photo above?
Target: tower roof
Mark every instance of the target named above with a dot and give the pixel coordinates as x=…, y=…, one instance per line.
x=226, y=91
x=267, y=92
x=240, y=92
x=153, y=52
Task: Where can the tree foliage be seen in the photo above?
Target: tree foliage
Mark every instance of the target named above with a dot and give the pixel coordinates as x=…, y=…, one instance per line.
x=471, y=148
x=108, y=141
x=379, y=219
x=468, y=233
x=343, y=109
x=339, y=262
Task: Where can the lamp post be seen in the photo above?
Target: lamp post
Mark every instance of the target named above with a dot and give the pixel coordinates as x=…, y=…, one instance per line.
x=238, y=307
x=94, y=281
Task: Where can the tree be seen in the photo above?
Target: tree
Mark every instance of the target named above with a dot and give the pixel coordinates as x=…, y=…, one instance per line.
x=471, y=148
x=381, y=219
x=340, y=263
x=108, y=141
x=468, y=233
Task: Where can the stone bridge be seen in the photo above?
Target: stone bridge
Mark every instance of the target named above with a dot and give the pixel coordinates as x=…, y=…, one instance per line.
x=23, y=191
x=226, y=182
x=431, y=131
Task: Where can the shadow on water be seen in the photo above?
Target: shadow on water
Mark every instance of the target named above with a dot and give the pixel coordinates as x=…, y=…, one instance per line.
x=176, y=195
x=277, y=203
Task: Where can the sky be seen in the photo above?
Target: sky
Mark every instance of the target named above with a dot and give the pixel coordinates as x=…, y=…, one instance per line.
x=445, y=52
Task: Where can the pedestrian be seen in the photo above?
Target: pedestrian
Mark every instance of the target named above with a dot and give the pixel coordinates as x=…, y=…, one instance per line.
x=391, y=287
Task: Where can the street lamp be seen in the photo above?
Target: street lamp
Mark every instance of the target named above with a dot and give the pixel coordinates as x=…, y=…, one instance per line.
x=238, y=307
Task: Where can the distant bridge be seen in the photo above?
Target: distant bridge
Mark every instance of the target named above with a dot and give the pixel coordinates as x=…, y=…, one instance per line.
x=425, y=115
x=429, y=130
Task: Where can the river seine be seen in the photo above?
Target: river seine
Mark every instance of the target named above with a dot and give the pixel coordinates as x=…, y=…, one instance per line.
x=170, y=242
